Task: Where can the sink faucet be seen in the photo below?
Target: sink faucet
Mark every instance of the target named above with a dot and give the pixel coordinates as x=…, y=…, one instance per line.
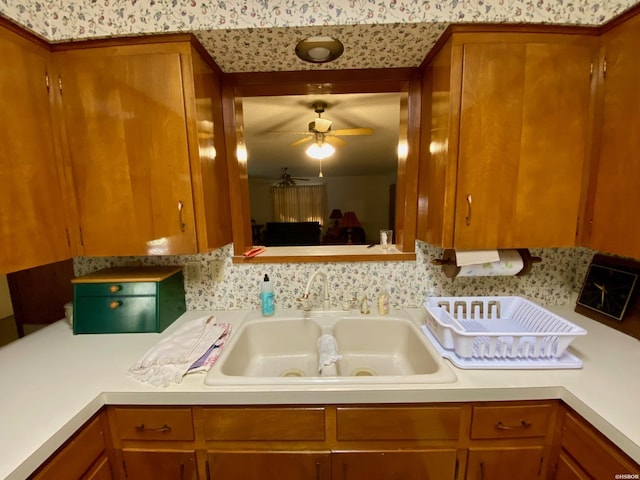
x=306, y=304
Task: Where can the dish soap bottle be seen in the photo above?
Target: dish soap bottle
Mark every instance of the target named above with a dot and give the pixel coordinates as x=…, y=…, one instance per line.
x=266, y=297
x=383, y=301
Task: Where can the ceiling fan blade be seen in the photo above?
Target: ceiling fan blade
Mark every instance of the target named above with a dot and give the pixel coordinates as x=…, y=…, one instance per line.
x=353, y=131
x=301, y=141
x=291, y=132
x=335, y=141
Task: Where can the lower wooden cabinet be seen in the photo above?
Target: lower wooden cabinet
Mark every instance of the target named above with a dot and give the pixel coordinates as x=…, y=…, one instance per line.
x=536, y=440
x=83, y=457
x=432, y=464
x=585, y=453
x=158, y=464
x=523, y=463
x=269, y=465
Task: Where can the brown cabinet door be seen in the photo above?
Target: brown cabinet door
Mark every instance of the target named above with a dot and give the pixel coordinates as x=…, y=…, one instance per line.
x=32, y=211
x=140, y=464
x=615, y=227
x=127, y=139
x=101, y=470
x=567, y=469
x=524, y=119
x=269, y=465
x=395, y=465
x=523, y=463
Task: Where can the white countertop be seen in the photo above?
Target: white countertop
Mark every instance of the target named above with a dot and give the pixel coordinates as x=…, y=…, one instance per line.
x=53, y=381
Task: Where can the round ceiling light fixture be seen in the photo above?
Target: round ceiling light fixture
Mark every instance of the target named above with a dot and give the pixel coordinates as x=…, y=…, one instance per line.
x=319, y=49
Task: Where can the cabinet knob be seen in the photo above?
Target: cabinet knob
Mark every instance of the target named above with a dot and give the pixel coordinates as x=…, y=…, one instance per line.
x=115, y=304
x=115, y=288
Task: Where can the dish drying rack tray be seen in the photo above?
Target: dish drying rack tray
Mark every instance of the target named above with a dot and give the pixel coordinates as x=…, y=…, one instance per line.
x=498, y=328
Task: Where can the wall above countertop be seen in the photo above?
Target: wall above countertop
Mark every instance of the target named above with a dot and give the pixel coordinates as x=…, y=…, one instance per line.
x=551, y=282
x=233, y=32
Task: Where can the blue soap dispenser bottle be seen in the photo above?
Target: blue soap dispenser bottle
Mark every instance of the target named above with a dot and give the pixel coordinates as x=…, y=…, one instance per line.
x=266, y=297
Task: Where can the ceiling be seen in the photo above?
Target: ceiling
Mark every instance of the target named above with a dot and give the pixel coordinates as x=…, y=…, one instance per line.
x=272, y=124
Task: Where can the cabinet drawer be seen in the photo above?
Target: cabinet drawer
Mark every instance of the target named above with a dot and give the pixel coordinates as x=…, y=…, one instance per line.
x=264, y=424
x=398, y=423
x=517, y=421
x=114, y=314
x=592, y=451
x=154, y=423
x=109, y=289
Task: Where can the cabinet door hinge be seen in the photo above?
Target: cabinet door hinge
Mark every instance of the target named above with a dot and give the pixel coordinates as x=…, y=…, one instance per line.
x=60, y=84
x=604, y=67
x=591, y=69
x=46, y=81
x=81, y=237
x=124, y=469
x=540, y=466
x=68, y=237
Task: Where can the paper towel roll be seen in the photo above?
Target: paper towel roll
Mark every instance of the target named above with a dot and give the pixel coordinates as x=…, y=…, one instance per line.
x=510, y=263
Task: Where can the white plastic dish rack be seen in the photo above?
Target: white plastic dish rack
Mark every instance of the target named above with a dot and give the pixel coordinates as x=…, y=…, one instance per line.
x=498, y=328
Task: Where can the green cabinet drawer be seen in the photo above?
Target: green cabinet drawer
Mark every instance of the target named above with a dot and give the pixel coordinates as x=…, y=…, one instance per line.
x=115, y=289
x=128, y=300
x=115, y=315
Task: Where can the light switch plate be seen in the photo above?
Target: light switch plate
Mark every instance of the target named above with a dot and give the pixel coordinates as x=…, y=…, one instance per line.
x=193, y=272
x=216, y=270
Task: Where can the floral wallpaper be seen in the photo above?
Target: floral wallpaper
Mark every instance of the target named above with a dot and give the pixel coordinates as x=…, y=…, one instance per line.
x=550, y=282
x=259, y=35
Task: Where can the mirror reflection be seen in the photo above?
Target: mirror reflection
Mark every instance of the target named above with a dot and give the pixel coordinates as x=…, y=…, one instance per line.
x=322, y=168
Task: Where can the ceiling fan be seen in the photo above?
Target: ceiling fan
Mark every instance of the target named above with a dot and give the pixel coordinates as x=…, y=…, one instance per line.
x=319, y=130
x=286, y=180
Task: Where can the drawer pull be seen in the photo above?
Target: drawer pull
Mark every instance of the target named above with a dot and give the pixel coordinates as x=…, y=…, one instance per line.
x=115, y=288
x=523, y=425
x=115, y=304
x=142, y=428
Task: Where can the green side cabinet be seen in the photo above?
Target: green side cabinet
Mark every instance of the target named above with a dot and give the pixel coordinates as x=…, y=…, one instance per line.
x=128, y=300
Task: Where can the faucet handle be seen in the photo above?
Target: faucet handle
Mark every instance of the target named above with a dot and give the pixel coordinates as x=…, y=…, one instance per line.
x=364, y=305
x=306, y=303
x=349, y=301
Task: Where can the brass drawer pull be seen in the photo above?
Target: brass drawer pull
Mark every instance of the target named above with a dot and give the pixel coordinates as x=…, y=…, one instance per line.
x=142, y=428
x=521, y=426
x=115, y=288
x=115, y=304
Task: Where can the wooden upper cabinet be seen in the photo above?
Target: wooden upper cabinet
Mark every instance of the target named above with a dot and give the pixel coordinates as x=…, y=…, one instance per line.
x=502, y=162
x=32, y=211
x=149, y=176
x=616, y=199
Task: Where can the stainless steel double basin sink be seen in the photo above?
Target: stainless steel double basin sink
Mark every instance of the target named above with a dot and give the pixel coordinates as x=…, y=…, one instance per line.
x=284, y=350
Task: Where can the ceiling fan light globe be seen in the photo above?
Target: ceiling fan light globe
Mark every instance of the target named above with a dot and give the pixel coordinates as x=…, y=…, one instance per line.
x=322, y=125
x=320, y=152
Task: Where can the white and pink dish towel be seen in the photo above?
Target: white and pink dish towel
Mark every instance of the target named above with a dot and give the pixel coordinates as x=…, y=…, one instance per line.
x=193, y=348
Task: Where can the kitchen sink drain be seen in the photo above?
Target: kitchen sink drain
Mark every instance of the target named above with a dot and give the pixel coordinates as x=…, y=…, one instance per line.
x=363, y=372
x=292, y=372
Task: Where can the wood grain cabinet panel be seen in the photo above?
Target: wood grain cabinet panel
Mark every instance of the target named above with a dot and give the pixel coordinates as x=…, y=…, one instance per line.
x=398, y=423
x=147, y=180
x=264, y=424
x=433, y=464
x=33, y=221
x=517, y=421
x=592, y=452
x=510, y=123
x=283, y=465
x=506, y=463
x=81, y=457
x=159, y=464
x=614, y=226
x=154, y=423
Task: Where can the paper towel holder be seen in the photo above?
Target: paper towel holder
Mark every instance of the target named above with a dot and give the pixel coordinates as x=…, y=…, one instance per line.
x=451, y=269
